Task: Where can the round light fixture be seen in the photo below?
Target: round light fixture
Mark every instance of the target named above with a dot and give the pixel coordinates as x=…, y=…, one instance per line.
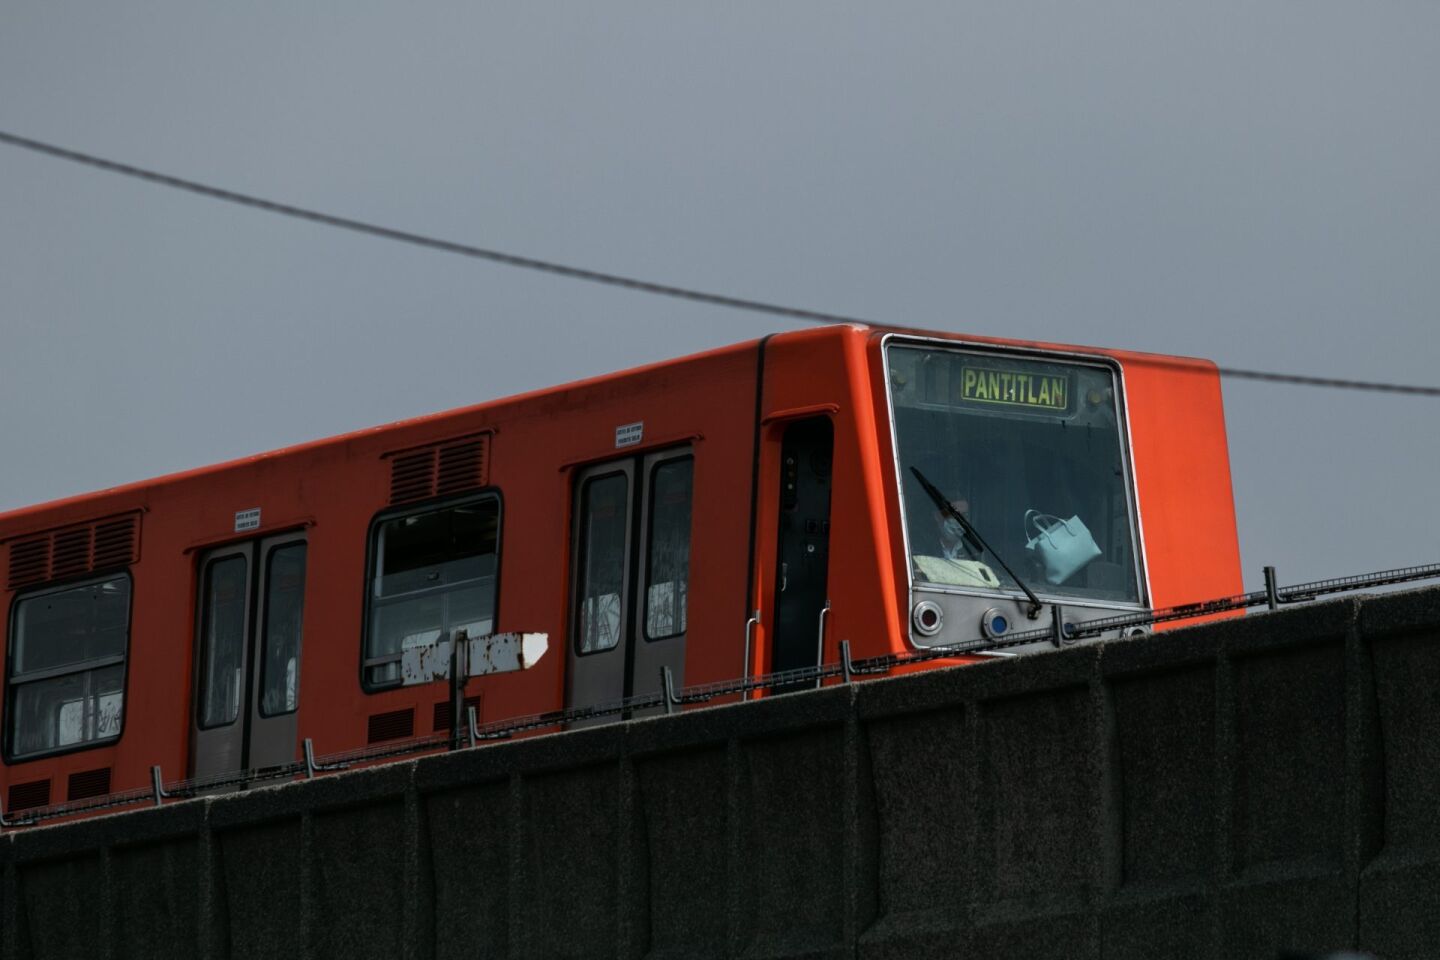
x=994, y=624
x=927, y=617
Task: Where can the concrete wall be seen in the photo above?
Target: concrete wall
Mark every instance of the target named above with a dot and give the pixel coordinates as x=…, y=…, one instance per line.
x=1224, y=791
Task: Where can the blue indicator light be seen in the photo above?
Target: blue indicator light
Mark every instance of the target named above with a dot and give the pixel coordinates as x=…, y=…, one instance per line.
x=999, y=625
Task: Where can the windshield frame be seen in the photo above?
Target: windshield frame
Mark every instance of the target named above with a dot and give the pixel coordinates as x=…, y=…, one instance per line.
x=1122, y=413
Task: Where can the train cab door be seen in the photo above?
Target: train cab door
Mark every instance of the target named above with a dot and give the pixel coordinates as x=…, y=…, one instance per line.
x=247, y=655
x=630, y=566
x=802, y=562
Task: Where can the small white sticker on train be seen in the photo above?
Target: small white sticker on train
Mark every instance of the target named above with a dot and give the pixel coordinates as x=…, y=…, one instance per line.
x=247, y=519
x=629, y=434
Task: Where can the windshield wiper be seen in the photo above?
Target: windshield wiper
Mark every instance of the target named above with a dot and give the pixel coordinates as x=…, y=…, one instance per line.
x=944, y=507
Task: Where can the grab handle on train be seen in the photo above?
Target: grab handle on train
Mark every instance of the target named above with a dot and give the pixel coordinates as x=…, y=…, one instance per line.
x=820, y=639
x=750, y=626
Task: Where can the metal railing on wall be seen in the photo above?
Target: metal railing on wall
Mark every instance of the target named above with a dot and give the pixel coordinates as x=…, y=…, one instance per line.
x=469, y=733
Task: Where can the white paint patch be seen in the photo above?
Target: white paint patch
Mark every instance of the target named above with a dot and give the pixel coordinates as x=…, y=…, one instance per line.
x=493, y=653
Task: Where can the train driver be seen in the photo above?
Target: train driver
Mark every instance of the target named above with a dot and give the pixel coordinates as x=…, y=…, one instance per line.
x=959, y=562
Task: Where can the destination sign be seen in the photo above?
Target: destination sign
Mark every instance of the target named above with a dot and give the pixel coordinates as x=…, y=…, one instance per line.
x=1016, y=389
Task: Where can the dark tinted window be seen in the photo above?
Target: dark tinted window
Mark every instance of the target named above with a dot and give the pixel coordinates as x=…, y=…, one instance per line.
x=667, y=574
x=284, y=613
x=434, y=575
x=604, y=520
x=1033, y=452
x=67, y=666
x=222, y=648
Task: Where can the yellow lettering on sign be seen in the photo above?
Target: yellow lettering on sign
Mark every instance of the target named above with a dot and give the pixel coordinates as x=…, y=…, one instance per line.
x=1015, y=389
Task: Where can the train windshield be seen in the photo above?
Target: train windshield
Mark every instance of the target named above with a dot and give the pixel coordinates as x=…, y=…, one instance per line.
x=1032, y=452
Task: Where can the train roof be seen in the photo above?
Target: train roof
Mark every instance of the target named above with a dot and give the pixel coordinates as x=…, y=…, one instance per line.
x=21, y=520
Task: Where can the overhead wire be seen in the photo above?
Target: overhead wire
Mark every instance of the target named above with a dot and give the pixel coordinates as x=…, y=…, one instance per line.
x=582, y=273
x=1330, y=382
x=421, y=240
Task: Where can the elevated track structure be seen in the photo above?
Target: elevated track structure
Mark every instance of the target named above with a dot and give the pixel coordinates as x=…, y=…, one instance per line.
x=1228, y=790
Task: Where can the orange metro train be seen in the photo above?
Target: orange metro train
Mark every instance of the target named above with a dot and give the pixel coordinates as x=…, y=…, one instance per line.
x=732, y=513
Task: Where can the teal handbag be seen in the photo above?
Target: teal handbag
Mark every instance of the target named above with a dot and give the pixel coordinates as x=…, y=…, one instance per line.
x=1064, y=546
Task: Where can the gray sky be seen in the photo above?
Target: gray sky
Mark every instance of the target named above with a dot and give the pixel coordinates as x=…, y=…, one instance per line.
x=1256, y=183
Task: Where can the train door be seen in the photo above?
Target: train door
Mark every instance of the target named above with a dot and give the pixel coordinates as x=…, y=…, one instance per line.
x=247, y=656
x=802, y=563
x=630, y=577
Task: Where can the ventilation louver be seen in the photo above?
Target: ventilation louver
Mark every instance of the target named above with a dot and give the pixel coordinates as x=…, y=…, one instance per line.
x=24, y=796
x=74, y=551
x=440, y=721
x=88, y=783
x=439, y=470
x=395, y=725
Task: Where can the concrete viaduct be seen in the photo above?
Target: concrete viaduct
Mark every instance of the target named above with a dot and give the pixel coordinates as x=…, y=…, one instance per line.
x=1225, y=791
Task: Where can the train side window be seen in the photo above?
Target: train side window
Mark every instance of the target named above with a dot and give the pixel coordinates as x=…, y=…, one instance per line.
x=67, y=667
x=434, y=574
x=280, y=642
x=667, y=574
x=222, y=648
x=604, y=521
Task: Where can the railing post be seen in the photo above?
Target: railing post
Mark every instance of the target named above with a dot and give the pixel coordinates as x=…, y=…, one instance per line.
x=1272, y=593
x=667, y=683
x=459, y=667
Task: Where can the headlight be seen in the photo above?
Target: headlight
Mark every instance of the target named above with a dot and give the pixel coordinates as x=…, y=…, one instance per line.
x=927, y=617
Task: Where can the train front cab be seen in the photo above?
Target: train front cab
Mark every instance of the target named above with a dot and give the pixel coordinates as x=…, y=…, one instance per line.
x=1100, y=477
